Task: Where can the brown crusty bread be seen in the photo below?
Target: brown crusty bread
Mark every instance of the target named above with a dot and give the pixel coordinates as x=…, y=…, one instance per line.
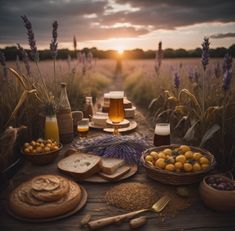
x=49, y=188
x=80, y=165
x=24, y=204
x=110, y=165
x=116, y=175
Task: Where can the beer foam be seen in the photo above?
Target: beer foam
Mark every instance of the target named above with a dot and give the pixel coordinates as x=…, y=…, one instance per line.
x=162, y=129
x=106, y=95
x=116, y=94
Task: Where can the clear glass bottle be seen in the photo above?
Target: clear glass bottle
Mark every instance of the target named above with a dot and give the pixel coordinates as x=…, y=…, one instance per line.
x=88, y=108
x=64, y=117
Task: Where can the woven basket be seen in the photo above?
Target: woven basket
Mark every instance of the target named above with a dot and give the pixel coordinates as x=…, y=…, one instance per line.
x=177, y=178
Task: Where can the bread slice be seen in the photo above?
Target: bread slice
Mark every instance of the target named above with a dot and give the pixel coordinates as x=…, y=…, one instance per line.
x=110, y=165
x=80, y=165
x=116, y=175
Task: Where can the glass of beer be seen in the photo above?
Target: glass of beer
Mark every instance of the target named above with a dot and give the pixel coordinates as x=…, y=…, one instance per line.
x=83, y=127
x=162, y=134
x=116, y=109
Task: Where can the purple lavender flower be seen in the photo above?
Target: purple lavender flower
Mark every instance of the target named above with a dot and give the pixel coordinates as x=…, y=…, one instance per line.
x=227, y=65
x=227, y=79
x=177, y=80
x=32, y=42
x=3, y=63
x=54, y=42
x=25, y=59
x=205, y=52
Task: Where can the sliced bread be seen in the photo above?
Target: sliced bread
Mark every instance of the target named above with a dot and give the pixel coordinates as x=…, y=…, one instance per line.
x=80, y=165
x=110, y=165
x=116, y=175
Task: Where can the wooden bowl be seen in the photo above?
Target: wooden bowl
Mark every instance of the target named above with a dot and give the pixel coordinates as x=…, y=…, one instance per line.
x=42, y=158
x=176, y=178
x=219, y=200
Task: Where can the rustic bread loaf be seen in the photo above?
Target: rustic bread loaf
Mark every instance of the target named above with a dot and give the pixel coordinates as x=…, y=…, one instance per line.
x=116, y=175
x=110, y=165
x=48, y=188
x=80, y=165
x=23, y=203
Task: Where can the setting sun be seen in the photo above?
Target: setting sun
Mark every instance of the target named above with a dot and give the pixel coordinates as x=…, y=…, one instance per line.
x=120, y=51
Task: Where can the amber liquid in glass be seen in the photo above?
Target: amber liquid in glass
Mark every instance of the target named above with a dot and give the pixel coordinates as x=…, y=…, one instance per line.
x=116, y=110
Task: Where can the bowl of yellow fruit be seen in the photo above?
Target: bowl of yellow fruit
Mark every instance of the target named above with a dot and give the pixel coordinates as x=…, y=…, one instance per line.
x=177, y=164
x=41, y=151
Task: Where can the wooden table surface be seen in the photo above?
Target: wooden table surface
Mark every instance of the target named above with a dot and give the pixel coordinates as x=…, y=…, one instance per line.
x=195, y=217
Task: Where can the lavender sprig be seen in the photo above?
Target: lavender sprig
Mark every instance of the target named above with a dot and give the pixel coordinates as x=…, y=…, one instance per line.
x=32, y=42
x=3, y=63
x=25, y=59
x=54, y=42
x=177, y=80
x=227, y=65
x=205, y=52
x=227, y=79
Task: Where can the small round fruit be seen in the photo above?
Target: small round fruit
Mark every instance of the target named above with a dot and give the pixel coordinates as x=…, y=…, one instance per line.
x=26, y=150
x=203, y=160
x=196, y=167
x=180, y=158
x=30, y=148
x=170, y=160
x=197, y=155
x=204, y=166
x=48, y=145
x=154, y=154
x=167, y=151
x=39, y=149
x=26, y=145
x=149, y=163
x=182, y=191
x=160, y=163
x=149, y=158
x=42, y=145
x=184, y=148
x=34, y=151
x=33, y=143
x=170, y=167
x=47, y=149
x=161, y=155
x=188, y=154
x=188, y=167
x=178, y=165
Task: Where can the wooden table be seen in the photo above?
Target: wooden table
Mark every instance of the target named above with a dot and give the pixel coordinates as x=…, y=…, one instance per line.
x=196, y=217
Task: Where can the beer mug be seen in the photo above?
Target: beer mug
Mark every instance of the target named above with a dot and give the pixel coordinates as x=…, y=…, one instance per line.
x=162, y=134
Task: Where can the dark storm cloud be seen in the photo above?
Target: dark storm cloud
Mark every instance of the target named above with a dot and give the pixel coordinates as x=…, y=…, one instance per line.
x=168, y=14
x=71, y=16
x=221, y=36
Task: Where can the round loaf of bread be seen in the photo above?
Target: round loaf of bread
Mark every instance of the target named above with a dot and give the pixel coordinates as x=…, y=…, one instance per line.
x=48, y=188
x=24, y=203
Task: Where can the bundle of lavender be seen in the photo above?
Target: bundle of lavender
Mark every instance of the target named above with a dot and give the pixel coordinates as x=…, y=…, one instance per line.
x=128, y=148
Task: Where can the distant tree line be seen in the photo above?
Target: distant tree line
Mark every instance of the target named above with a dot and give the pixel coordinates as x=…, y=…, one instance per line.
x=11, y=53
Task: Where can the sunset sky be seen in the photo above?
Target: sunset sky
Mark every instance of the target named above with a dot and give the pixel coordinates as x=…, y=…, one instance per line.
x=120, y=24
